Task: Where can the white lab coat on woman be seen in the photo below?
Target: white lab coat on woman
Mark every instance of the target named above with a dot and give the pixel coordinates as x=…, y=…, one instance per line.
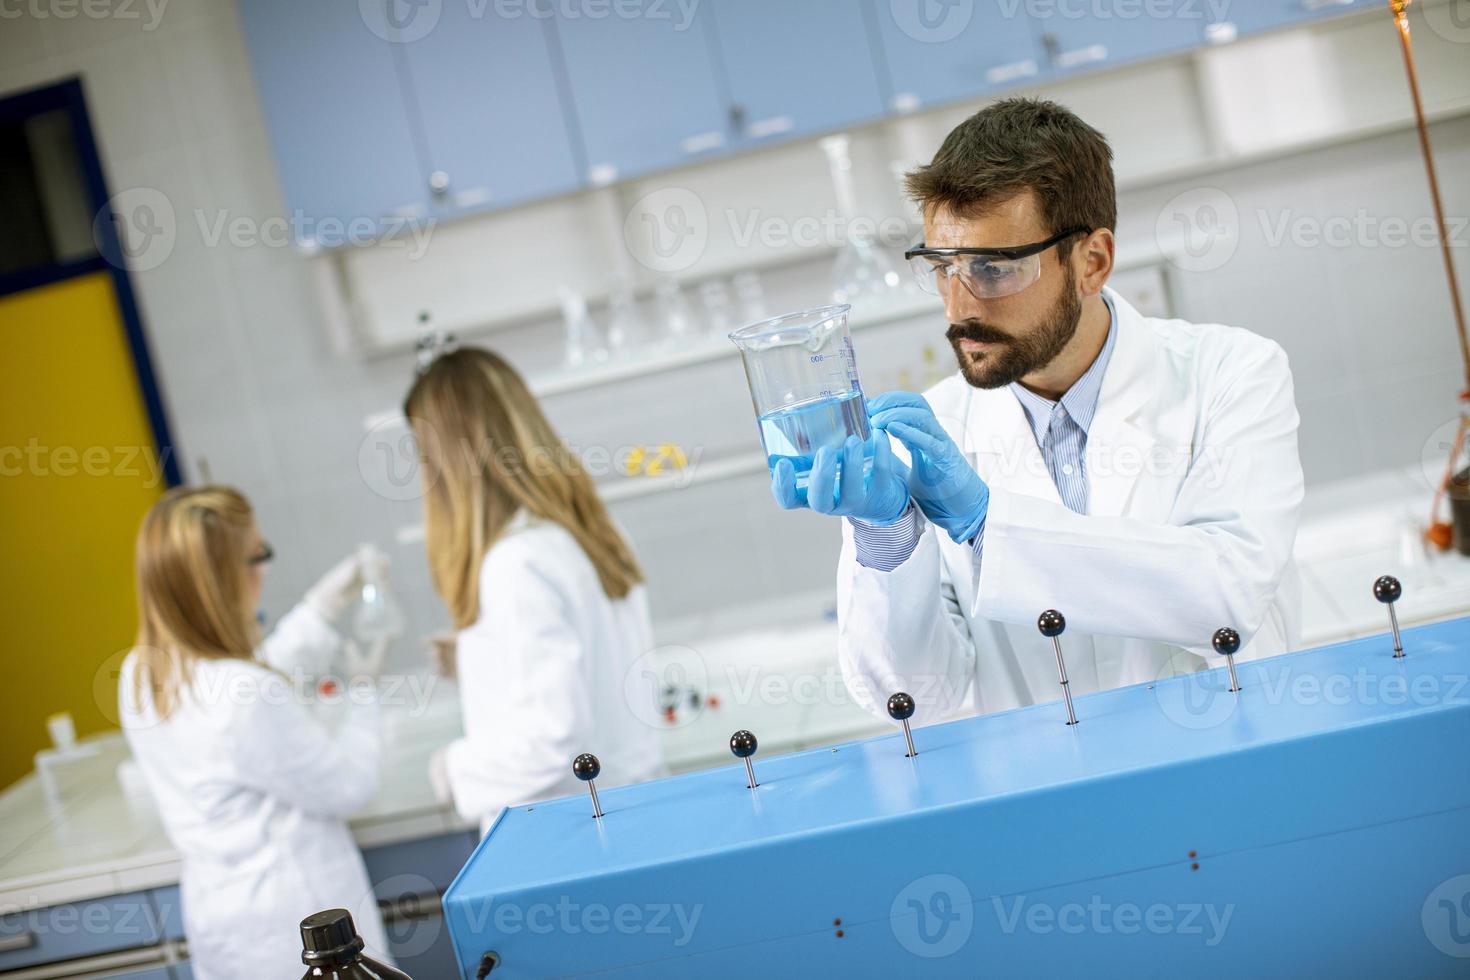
x=253, y=792
x=542, y=675
x=1194, y=489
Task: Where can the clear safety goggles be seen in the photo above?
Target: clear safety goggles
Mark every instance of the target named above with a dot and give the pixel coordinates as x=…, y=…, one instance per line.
x=988, y=273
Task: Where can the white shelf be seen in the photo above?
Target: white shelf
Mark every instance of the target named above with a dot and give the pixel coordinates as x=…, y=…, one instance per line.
x=654, y=361
x=709, y=348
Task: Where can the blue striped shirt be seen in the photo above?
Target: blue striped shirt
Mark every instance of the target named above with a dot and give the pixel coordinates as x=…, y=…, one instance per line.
x=1060, y=428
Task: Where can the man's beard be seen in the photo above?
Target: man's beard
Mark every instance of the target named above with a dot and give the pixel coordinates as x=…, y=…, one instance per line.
x=1015, y=357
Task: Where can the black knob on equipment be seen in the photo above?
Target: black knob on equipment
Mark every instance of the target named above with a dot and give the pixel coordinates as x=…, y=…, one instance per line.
x=1226, y=641
x=586, y=768
x=1387, y=589
x=1051, y=623
x=743, y=744
x=900, y=707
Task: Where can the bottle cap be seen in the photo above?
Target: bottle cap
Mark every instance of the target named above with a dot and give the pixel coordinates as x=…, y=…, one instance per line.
x=329, y=937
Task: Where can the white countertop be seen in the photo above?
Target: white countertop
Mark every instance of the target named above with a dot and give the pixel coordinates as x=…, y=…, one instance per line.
x=780, y=681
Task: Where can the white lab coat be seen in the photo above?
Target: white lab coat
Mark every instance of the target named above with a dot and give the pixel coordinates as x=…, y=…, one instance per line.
x=253, y=792
x=1194, y=492
x=542, y=676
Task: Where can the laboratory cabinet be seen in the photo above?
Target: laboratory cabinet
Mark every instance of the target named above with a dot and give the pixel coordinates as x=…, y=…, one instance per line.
x=77, y=929
x=384, y=111
x=793, y=69
x=486, y=93
x=644, y=90
x=1078, y=37
x=381, y=112
x=1241, y=19
x=937, y=53
x=338, y=122
x=408, y=877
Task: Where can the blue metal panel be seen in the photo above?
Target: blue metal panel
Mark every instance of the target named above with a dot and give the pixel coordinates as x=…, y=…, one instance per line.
x=183, y=971
x=484, y=86
x=796, y=68
x=943, y=50
x=645, y=94
x=424, y=866
x=1080, y=36
x=335, y=111
x=65, y=932
x=1265, y=15
x=169, y=909
x=1316, y=824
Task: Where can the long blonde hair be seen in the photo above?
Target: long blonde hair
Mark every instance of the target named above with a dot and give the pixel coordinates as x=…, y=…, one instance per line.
x=487, y=452
x=193, y=599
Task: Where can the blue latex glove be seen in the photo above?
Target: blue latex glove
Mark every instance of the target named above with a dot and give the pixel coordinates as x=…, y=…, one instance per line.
x=879, y=498
x=942, y=482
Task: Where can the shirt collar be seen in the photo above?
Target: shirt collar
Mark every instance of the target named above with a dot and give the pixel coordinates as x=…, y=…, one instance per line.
x=1080, y=400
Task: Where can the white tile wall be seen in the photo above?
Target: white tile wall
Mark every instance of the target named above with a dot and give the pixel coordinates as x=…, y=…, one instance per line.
x=255, y=386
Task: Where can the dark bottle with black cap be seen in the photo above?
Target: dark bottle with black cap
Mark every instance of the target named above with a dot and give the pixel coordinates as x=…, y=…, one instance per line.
x=334, y=949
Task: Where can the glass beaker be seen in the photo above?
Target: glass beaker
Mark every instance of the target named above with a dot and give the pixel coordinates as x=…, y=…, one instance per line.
x=804, y=386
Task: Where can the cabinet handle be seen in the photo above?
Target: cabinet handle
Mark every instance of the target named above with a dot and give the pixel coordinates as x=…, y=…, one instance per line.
x=1006, y=73
x=702, y=142
x=407, y=908
x=24, y=940
x=774, y=126
x=1082, y=56
x=1221, y=32
x=438, y=182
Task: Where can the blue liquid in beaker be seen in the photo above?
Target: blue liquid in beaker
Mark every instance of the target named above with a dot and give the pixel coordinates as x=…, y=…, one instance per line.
x=796, y=433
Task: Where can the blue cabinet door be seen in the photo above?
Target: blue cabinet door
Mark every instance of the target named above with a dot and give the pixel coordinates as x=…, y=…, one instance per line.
x=943, y=50
x=1241, y=19
x=796, y=68
x=1079, y=36
x=643, y=87
x=335, y=112
x=494, y=126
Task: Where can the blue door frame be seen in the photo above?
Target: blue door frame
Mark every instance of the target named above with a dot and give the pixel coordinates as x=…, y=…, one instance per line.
x=69, y=97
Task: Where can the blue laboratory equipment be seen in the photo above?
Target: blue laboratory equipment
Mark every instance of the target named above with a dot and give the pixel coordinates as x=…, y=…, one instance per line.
x=1316, y=822
x=804, y=385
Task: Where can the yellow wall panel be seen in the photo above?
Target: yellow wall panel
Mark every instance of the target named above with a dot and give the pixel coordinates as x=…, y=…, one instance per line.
x=78, y=469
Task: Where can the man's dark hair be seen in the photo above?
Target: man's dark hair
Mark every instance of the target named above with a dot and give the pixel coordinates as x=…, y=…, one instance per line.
x=1015, y=144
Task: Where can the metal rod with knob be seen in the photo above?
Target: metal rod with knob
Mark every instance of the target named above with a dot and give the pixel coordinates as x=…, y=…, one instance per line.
x=901, y=709
x=586, y=768
x=743, y=744
x=1052, y=623
x=1226, y=643
x=1386, y=589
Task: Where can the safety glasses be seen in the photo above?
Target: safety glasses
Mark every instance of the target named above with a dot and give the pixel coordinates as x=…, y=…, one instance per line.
x=988, y=273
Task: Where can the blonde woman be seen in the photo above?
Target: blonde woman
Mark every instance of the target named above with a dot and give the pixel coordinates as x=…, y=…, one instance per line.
x=252, y=790
x=544, y=591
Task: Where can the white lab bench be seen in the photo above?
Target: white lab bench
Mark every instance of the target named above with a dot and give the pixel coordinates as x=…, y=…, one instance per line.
x=102, y=852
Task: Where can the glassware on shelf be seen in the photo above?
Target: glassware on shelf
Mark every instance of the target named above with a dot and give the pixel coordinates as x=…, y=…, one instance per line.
x=584, y=343
x=719, y=307
x=675, y=317
x=862, y=275
x=625, y=332
x=751, y=296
